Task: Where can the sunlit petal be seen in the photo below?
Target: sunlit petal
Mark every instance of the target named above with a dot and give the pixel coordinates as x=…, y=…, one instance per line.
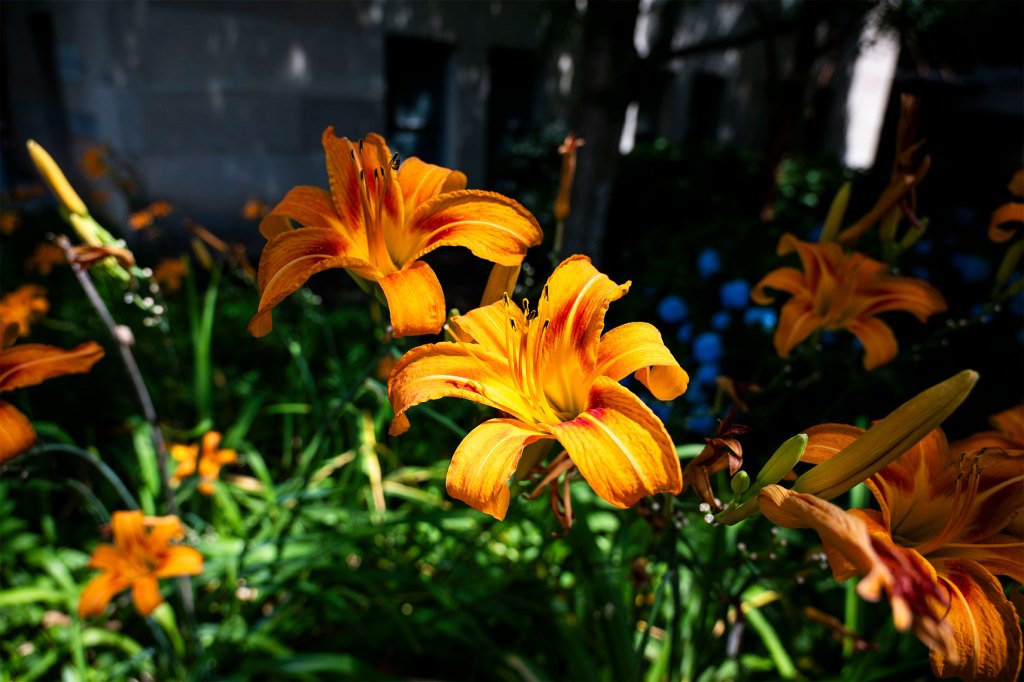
x=825, y=440
x=490, y=225
x=98, y=592
x=620, y=447
x=422, y=181
x=442, y=370
x=638, y=347
x=487, y=326
x=415, y=300
x=346, y=187
x=291, y=258
x=485, y=460
x=32, y=363
x=16, y=432
x=180, y=561
x=312, y=207
x=146, y=595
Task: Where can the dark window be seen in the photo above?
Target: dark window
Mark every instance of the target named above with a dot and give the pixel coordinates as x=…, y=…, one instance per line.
x=515, y=80
x=705, y=107
x=417, y=97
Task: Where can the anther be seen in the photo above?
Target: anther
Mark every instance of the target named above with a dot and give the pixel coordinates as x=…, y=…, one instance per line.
x=360, y=146
x=394, y=161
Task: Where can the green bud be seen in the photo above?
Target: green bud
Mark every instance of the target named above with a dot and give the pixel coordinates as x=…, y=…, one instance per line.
x=739, y=483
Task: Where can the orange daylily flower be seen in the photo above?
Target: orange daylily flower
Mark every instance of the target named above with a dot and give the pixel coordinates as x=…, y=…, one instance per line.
x=554, y=376
x=377, y=222
x=140, y=556
x=28, y=365
x=24, y=306
x=94, y=162
x=44, y=258
x=9, y=222
x=946, y=527
x=843, y=291
x=207, y=459
x=1008, y=433
x=169, y=272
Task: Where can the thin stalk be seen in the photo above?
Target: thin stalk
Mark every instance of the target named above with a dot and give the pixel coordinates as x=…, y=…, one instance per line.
x=123, y=337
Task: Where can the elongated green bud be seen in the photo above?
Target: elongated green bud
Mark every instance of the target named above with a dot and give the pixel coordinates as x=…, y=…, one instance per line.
x=836, y=212
x=782, y=462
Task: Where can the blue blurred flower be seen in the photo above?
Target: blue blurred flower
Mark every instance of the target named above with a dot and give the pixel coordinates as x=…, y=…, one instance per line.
x=1016, y=305
x=765, y=318
x=672, y=309
x=695, y=395
x=815, y=233
x=708, y=263
x=972, y=268
x=828, y=337
x=684, y=333
x=705, y=375
x=707, y=348
x=720, y=320
x=920, y=272
x=924, y=247
x=701, y=423
x=735, y=294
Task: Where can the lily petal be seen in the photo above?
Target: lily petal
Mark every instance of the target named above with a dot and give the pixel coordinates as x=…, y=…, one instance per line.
x=32, y=363
x=909, y=294
x=421, y=181
x=146, y=594
x=415, y=299
x=456, y=370
x=789, y=280
x=1009, y=213
x=485, y=460
x=879, y=342
x=620, y=447
x=1000, y=554
x=16, y=432
x=180, y=560
x=490, y=225
x=311, y=207
x=346, y=188
x=797, y=321
x=99, y=591
x=487, y=326
x=290, y=258
x=825, y=440
x=986, y=628
x=638, y=347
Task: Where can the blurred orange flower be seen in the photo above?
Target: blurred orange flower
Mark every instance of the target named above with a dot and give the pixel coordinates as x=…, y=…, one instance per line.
x=28, y=365
x=140, y=220
x=160, y=209
x=207, y=459
x=169, y=272
x=948, y=525
x=44, y=258
x=377, y=222
x=24, y=306
x=9, y=222
x=554, y=376
x=142, y=553
x=93, y=162
x=843, y=291
x=254, y=209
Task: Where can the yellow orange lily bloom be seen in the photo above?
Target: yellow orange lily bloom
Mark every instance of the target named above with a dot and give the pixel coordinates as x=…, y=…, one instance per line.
x=207, y=459
x=843, y=291
x=142, y=553
x=947, y=525
x=24, y=306
x=27, y=365
x=555, y=376
x=377, y=222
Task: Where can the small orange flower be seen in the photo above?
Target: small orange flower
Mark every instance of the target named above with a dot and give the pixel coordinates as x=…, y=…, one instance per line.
x=160, y=209
x=23, y=307
x=555, y=377
x=947, y=525
x=169, y=272
x=843, y=291
x=140, y=220
x=28, y=365
x=140, y=556
x=254, y=209
x=94, y=163
x=9, y=222
x=377, y=222
x=44, y=258
x=208, y=458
